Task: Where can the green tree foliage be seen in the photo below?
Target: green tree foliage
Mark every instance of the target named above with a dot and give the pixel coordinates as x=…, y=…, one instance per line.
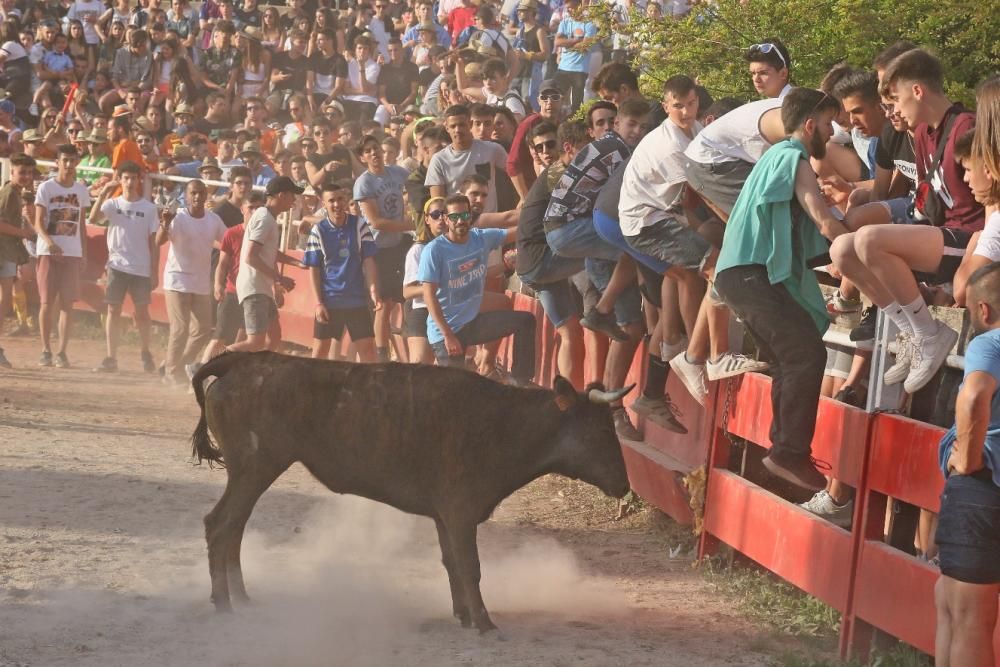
x=710, y=42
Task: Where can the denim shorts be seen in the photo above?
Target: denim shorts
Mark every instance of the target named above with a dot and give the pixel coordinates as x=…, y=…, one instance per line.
x=968, y=532
x=580, y=239
x=550, y=282
x=8, y=270
x=628, y=307
x=900, y=210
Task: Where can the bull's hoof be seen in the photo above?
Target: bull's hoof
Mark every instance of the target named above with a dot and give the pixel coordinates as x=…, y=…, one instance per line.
x=223, y=606
x=485, y=626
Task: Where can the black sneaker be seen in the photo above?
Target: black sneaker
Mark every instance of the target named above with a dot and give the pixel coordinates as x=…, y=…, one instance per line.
x=798, y=470
x=45, y=359
x=624, y=427
x=604, y=324
x=148, y=364
x=109, y=365
x=866, y=329
x=62, y=361
x=3, y=360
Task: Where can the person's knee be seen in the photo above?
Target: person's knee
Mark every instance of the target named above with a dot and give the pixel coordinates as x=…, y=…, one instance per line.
x=141, y=314
x=842, y=251
x=866, y=243
x=859, y=197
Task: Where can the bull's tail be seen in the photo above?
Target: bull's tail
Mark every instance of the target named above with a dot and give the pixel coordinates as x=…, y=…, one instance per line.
x=202, y=446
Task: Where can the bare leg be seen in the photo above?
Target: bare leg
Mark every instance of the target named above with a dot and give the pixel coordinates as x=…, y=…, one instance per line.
x=383, y=330
x=366, y=350
x=570, y=349
x=320, y=348
x=144, y=324
x=65, y=324
x=967, y=617
x=420, y=351
x=112, y=329
x=597, y=354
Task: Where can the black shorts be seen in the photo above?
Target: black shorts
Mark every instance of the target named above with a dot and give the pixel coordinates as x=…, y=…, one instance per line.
x=671, y=242
x=228, y=319
x=719, y=183
x=357, y=321
x=415, y=320
x=968, y=532
x=389, y=264
x=120, y=283
x=956, y=241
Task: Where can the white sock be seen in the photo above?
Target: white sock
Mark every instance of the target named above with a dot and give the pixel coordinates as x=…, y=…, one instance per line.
x=920, y=318
x=895, y=313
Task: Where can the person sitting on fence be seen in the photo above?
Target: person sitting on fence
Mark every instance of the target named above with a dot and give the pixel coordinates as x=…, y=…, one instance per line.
x=453, y=273
x=133, y=259
x=881, y=259
x=968, y=531
x=340, y=254
x=537, y=266
x=762, y=275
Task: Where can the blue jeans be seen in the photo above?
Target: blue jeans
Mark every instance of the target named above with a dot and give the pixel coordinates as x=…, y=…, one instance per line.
x=550, y=281
x=488, y=327
x=610, y=230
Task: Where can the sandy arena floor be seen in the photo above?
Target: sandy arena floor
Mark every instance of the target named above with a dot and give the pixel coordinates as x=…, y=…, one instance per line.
x=102, y=556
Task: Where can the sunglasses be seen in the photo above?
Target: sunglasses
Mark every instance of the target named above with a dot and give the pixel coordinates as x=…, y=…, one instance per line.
x=436, y=214
x=766, y=48
x=459, y=217
x=75, y=130
x=550, y=97
x=549, y=145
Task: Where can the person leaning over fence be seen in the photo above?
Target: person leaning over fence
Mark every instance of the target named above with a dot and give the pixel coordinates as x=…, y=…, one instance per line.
x=60, y=203
x=133, y=259
x=776, y=226
x=13, y=232
x=340, y=254
x=968, y=532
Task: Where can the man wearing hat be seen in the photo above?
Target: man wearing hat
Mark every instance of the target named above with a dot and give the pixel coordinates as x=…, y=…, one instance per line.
x=258, y=275
x=97, y=155
x=520, y=161
x=254, y=160
x=209, y=170
x=424, y=10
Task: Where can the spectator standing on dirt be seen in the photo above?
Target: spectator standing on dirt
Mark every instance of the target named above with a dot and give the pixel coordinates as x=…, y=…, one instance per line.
x=968, y=532
x=187, y=279
x=258, y=275
x=133, y=259
x=13, y=232
x=60, y=224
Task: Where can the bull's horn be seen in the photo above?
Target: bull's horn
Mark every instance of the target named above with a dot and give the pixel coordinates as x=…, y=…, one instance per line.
x=598, y=396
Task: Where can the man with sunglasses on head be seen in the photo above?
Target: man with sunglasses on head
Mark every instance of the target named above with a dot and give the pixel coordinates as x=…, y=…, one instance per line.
x=453, y=273
x=521, y=161
x=379, y=193
x=769, y=65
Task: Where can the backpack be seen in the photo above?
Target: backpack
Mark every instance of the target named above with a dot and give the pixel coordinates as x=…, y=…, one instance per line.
x=926, y=200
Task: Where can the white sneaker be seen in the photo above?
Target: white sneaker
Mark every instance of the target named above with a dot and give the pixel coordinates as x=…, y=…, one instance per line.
x=668, y=351
x=730, y=365
x=928, y=355
x=692, y=375
x=904, y=355
x=822, y=505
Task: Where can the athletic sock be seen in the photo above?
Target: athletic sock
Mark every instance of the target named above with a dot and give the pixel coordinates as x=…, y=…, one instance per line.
x=656, y=376
x=919, y=316
x=895, y=313
x=382, y=354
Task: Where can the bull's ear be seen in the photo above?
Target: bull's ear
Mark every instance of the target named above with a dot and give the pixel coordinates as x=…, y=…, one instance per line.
x=566, y=396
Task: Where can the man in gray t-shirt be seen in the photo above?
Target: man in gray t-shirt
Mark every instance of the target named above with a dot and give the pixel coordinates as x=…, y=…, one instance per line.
x=379, y=193
x=463, y=157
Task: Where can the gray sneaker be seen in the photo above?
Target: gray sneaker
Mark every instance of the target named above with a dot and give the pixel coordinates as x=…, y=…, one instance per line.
x=660, y=411
x=62, y=361
x=822, y=505
x=4, y=363
x=108, y=365
x=624, y=427
x=45, y=359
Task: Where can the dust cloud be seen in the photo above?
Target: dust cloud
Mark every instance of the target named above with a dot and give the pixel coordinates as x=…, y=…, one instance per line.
x=355, y=583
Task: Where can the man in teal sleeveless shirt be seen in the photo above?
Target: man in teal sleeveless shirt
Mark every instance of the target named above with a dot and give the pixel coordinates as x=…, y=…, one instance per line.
x=777, y=225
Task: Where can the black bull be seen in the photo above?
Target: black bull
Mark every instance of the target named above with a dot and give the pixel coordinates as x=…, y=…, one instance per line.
x=438, y=442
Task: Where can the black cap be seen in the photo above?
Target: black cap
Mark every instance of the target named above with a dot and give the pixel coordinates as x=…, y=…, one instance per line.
x=281, y=184
x=549, y=84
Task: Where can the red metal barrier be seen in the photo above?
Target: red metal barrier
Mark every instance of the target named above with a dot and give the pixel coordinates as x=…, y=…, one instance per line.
x=882, y=456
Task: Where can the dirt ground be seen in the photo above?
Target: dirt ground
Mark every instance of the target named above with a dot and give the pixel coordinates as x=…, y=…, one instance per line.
x=102, y=556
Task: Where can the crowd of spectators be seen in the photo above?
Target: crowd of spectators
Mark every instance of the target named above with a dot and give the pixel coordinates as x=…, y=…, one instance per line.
x=417, y=158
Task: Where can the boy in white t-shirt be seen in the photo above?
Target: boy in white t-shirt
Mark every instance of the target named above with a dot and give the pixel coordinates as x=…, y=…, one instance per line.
x=187, y=280
x=60, y=203
x=133, y=259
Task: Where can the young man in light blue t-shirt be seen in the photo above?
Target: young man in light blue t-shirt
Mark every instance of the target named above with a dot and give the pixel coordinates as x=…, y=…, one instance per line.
x=576, y=37
x=453, y=273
